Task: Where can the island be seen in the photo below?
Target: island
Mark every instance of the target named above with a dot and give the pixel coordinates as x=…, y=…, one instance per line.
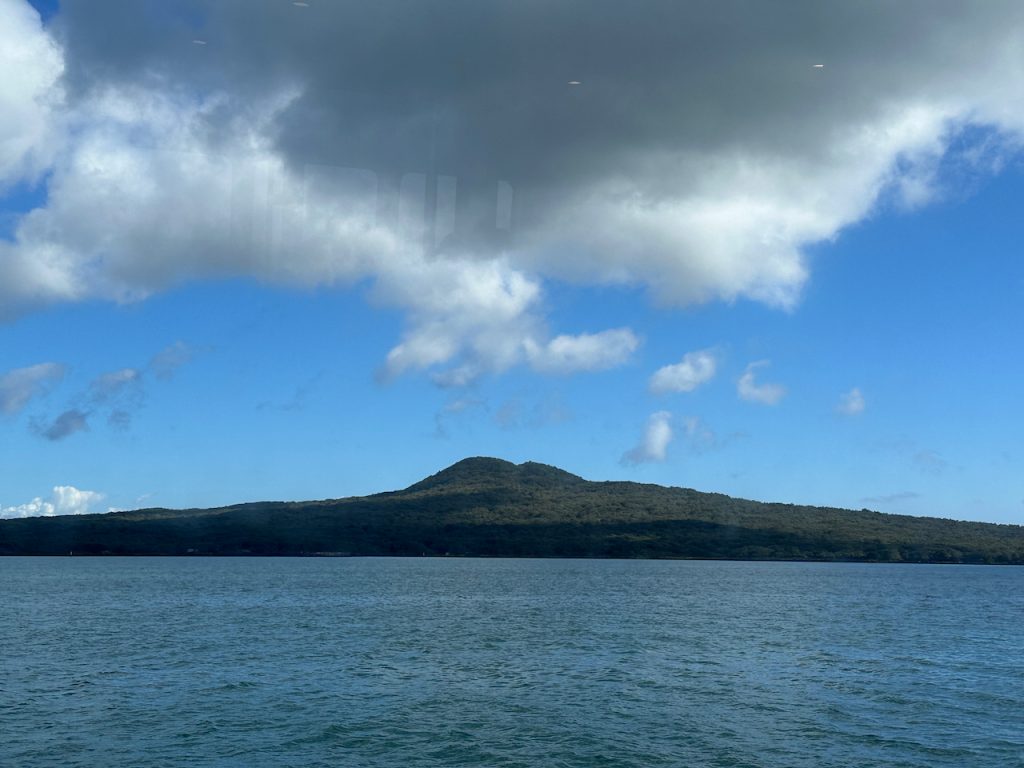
x=487, y=507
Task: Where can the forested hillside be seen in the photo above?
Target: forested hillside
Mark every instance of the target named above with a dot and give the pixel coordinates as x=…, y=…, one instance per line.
x=490, y=507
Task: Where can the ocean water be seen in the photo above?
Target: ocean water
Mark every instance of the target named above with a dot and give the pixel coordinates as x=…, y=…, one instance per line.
x=458, y=662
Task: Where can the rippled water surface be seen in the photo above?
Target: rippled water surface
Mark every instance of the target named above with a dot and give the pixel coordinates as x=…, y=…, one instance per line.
x=438, y=662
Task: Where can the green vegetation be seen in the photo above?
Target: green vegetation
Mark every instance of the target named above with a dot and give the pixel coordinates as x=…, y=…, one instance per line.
x=489, y=507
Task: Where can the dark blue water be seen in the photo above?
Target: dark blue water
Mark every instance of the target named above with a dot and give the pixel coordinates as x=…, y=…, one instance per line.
x=438, y=662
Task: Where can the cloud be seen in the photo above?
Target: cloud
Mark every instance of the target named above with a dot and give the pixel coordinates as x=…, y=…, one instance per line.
x=921, y=458
x=851, y=403
x=463, y=404
x=65, y=425
x=28, y=129
x=452, y=410
x=120, y=420
x=118, y=393
x=65, y=500
x=477, y=315
x=930, y=461
x=701, y=437
x=19, y=386
x=585, y=352
x=749, y=390
x=166, y=362
x=517, y=412
x=113, y=385
x=654, y=442
x=469, y=318
x=416, y=150
x=695, y=369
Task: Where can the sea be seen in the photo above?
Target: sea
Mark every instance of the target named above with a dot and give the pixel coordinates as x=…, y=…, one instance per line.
x=508, y=662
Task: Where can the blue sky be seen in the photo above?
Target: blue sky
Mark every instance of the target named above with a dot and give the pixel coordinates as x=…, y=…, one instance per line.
x=845, y=324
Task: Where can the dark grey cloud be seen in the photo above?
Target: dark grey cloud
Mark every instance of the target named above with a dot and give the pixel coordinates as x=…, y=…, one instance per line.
x=65, y=425
x=480, y=88
x=654, y=73
x=670, y=94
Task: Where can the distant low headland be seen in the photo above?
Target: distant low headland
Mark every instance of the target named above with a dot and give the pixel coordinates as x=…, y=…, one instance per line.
x=483, y=507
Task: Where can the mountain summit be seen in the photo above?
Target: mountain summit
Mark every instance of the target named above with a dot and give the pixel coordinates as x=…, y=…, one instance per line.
x=485, y=472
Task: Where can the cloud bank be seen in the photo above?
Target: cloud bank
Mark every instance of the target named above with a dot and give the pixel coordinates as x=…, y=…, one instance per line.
x=436, y=153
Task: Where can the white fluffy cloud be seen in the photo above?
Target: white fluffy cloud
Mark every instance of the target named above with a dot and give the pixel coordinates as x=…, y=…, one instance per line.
x=240, y=210
x=851, y=403
x=65, y=500
x=696, y=368
x=29, y=93
x=19, y=386
x=749, y=390
x=585, y=352
x=654, y=442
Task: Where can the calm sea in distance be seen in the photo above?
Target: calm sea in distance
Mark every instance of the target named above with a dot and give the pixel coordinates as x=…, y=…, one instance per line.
x=463, y=662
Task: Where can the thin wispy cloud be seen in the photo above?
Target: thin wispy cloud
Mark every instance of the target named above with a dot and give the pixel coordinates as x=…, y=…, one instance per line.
x=930, y=462
x=111, y=386
x=166, y=362
x=119, y=420
x=115, y=395
x=456, y=408
x=851, y=403
x=750, y=390
x=19, y=386
x=299, y=397
x=702, y=438
x=533, y=412
x=65, y=425
x=699, y=435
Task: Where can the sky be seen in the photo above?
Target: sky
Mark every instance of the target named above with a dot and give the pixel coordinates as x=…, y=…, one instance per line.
x=259, y=249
